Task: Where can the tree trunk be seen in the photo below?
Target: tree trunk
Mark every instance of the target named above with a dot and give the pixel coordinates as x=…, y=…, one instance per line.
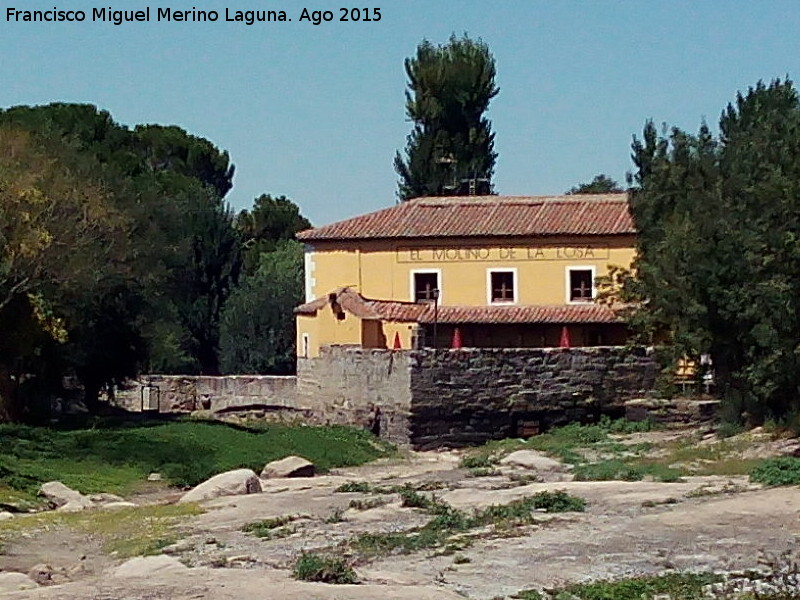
x=208, y=359
x=10, y=405
x=91, y=397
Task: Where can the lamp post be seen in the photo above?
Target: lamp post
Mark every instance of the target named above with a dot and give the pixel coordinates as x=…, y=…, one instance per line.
x=435, y=314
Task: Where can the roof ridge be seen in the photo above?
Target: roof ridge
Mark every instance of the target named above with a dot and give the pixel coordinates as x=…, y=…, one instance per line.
x=487, y=216
x=522, y=199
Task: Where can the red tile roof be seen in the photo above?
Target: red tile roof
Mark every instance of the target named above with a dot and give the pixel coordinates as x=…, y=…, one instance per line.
x=354, y=303
x=572, y=313
x=486, y=216
x=389, y=310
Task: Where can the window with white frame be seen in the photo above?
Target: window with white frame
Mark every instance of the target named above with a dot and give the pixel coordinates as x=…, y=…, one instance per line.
x=501, y=286
x=425, y=285
x=580, y=284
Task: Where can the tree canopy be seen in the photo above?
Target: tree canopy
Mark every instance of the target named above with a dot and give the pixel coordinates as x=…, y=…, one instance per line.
x=257, y=330
x=58, y=232
x=118, y=253
x=270, y=222
x=719, y=246
x=449, y=90
x=601, y=184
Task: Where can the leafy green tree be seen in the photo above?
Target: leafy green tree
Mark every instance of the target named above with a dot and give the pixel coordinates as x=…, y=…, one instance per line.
x=449, y=90
x=719, y=246
x=155, y=176
x=171, y=149
x=258, y=330
x=601, y=184
x=270, y=222
x=57, y=232
x=105, y=344
x=117, y=155
x=210, y=273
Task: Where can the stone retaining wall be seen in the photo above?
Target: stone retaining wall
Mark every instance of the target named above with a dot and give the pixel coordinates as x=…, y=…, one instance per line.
x=425, y=398
x=469, y=396
x=187, y=393
x=355, y=386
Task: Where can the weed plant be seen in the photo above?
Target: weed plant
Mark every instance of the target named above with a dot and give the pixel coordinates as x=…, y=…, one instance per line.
x=361, y=487
x=784, y=470
x=268, y=527
x=367, y=504
x=323, y=569
x=449, y=521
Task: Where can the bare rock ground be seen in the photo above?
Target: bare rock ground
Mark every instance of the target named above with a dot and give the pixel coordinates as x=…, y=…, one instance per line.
x=702, y=523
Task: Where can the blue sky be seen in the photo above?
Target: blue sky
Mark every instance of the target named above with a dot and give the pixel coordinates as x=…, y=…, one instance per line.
x=317, y=112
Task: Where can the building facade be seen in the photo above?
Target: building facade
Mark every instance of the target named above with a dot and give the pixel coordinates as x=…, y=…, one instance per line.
x=487, y=271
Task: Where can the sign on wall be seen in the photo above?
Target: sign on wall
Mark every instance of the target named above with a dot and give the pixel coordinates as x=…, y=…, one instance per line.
x=526, y=253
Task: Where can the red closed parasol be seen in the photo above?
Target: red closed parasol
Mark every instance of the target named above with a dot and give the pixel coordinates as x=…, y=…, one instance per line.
x=565, y=341
x=397, y=345
x=457, y=343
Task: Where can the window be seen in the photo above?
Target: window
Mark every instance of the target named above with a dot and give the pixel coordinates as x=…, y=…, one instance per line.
x=502, y=286
x=580, y=284
x=423, y=284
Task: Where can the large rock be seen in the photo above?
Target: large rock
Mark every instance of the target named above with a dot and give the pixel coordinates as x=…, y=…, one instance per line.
x=530, y=459
x=230, y=483
x=148, y=566
x=105, y=498
x=291, y=466
x=14, y=582
x=64, y=498
x=45, y=574
x=119, y=505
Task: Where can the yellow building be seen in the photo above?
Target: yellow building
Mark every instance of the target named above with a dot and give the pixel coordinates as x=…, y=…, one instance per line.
x=488, y=271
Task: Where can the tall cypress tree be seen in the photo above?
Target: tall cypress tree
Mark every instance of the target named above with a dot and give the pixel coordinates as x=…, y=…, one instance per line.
x=449, y=90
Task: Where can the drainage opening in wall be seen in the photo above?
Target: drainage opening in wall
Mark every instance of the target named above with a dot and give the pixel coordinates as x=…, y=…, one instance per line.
x=528, y=424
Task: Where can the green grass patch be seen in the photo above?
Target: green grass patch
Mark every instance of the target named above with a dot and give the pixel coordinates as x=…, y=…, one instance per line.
x=337, y=516
x=484, y=473
x=367, y=503
x=729, y=466
x=784, y=470
x=268, y=527
x=117, y=457
x=608, y=470
x=621, y=470
x=411, y=498
x=558, y=501
x=689, y=451
x=728, y=429
x=361, y=487
x=626, y=426
x=528, y=595
x=124, y=532
x=594, y=454
x=565, y=441
x=683, y=586
x=323, y=569
x=449, y=521
x=477, y=461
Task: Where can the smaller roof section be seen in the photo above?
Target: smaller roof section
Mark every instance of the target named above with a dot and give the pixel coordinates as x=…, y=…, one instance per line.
x=486, y=216
x=349, y=300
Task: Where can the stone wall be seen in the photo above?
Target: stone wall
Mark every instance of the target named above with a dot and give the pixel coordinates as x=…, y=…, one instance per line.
x=219, y=395
x=425, y=398
x=469, y=396
x=364, y=387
